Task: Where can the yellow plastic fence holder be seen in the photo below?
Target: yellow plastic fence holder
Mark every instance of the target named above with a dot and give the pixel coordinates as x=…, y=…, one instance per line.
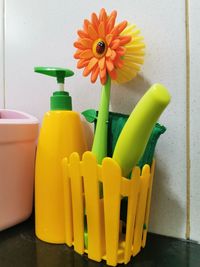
x=77, y=202
x=68, y=205
x=146, y=221
x=93, y=207
x=135, y=184
x=140, y=214
x=111, y=174
x=81, y=193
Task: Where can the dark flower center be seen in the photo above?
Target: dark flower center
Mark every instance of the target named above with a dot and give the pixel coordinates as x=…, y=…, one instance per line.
x=100, y=48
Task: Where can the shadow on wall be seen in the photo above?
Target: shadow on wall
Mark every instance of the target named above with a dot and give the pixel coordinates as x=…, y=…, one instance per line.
x=125, y=96
x=165, y=208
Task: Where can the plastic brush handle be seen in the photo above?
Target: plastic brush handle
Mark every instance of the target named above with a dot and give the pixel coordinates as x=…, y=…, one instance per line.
x=136, y=132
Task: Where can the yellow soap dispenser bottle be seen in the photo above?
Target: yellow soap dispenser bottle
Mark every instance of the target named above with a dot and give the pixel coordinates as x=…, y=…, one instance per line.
x=61, y=134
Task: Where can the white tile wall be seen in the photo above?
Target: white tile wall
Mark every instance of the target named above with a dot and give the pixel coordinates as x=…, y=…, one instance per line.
x=194, y=117
x=1, y=55
x=38, y=33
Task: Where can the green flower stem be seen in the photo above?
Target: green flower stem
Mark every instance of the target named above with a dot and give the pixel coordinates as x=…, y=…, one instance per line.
x=99, y=147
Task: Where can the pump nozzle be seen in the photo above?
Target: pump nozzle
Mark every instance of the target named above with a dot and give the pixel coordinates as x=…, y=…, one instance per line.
x=59, y=73
x=60, y=99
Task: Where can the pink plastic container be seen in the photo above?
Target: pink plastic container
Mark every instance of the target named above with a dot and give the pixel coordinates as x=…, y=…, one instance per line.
x=18, y=134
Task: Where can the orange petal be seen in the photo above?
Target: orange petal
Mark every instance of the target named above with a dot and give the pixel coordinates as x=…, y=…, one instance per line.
x=114, y=30
x=109, y=65
x=113, y=74
x=113, y=14
x=86, y=23
x=109, y=52
x=87, y=54
x=102, y=15
x=109, y=38
x=121, y=50
x=77, y=54
x=101, y=30
x=103, y=80
x=110, y=25
x=94, y=74
x=95, y=20
x=103, y=76
x=119, y=28
x=111, y=21
x=119, y=63
x=113, y=55
x=82, y=34
x=86, y=42
x=115, y=44
x=78, y=45
x=102, y=63
x=102, y=73
x=86, y=71
x=93, y=62
x=92, y=33
x=125, y=39
x=82, y=63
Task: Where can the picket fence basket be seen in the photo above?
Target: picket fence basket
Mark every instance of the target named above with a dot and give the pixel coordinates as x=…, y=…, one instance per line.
x=106, y=239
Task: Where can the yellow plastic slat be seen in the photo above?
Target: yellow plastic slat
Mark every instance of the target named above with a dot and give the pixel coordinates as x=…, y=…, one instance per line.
x=146, y=221
x=111, y=175
x=135, y=183
x=137, y=240
x=125, y=187
x=94, y=224
x=67, y=204
x=77, y=202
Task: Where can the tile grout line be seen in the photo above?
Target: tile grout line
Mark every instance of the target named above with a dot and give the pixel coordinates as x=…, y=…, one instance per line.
x=4, y=79
x=187, y=234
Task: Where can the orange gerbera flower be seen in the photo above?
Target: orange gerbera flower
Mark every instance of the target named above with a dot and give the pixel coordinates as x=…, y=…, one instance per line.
x=100, y=46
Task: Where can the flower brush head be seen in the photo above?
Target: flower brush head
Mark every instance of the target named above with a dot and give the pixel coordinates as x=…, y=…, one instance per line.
x=105, y=49
x=133, y=57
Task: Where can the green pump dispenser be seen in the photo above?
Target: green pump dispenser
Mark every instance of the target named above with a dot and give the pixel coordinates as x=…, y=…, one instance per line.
x=60, y=100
